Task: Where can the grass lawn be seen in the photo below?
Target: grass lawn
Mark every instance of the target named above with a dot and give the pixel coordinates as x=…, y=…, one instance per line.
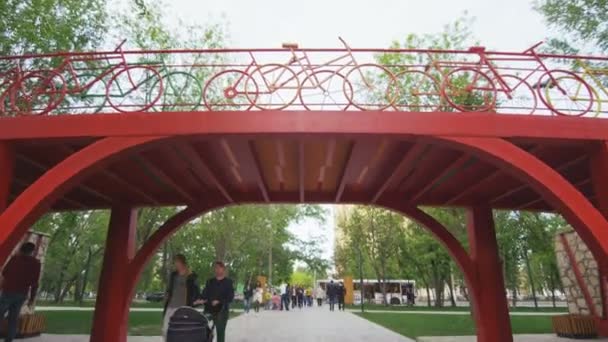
x=449, y=308
x=79, y=322
x=412, y=325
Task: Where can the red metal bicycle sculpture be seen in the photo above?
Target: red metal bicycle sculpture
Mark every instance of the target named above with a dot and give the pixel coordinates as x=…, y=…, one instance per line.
x=474, y=80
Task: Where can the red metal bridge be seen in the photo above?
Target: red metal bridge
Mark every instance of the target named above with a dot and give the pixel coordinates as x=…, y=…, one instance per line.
x=394, y=128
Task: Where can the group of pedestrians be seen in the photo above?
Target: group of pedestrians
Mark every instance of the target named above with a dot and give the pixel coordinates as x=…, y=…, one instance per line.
x=253, y=296
x=297, y=296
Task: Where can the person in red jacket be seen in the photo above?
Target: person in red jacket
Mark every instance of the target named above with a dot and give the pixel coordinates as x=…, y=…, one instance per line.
x=20, y=278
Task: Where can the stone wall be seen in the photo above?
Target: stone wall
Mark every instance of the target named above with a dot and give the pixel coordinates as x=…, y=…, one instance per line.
x=588, y=268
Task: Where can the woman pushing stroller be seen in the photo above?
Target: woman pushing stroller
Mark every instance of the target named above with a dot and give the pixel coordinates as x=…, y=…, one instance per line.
x=183, y=290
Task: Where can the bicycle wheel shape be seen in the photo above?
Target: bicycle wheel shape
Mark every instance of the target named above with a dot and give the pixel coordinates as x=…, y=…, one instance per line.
x=415, y=91
x=325, y=90
x=37, y=93
x=127, y=91
x=181, y=91
x=86, y=95
x=469, y=90
x=565, y=93
x=521, y=99
x=370, y=87
x=226, y=91
x=277, y=87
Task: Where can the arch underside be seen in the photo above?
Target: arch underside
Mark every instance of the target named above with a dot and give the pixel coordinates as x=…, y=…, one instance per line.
x=396, y=170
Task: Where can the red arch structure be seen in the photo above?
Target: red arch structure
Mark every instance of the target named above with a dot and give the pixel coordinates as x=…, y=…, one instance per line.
x=237, y=145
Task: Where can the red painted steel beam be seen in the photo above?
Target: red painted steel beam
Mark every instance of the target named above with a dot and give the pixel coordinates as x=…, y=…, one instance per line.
x=589, y=223
x=579, y=276
x=258, y=173
x=540, y=199
x=490, y=307
x=345, y=173
x=561, y=167
x=38, y=197
x=7, y=166
x=112, y=304
x=403, y=169
x=116, y=178
x=599, y=172
x=163, y=179
x=484, y=182
x=200, y=168
x=304, y=122
x=455, y=165
x=85, y=188
x=302, y=171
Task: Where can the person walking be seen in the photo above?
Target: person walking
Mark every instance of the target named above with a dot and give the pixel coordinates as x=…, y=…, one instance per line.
x=217, y=296
x=247, y=297
x=319, y=295
x=258, y=298
x=332, y=294
x=300, y=296
x=20, y=277
x=294, y=296
x=182, y=290
x=285, y=294
x=341, y=292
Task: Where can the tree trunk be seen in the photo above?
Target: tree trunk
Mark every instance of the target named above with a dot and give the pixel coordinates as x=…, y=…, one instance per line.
x=552, y=283
x=530, y=279
x=428, y=295
x=451, y=288
x=85, y=276
x=164, y=270
x=514, y=294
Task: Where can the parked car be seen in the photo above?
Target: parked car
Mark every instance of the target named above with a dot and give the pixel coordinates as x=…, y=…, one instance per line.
x=155, y=297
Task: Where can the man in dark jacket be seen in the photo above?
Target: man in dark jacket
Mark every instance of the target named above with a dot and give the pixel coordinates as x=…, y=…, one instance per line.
x=341, y=292
x=20, y=277
x=217, y=296
x=182, y=289
x=332, y=294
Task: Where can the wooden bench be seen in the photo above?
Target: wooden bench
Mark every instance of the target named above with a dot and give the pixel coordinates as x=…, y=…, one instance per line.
x=29, y=326
x=575, y=326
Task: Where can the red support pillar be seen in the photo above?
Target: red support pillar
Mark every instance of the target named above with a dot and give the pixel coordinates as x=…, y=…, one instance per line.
x=599, y=173
x=7, y=164
x=113, y=296
x=490, y=307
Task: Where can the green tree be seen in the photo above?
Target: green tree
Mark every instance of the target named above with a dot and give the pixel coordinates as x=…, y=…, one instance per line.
x=42, y=26
x=577, y=21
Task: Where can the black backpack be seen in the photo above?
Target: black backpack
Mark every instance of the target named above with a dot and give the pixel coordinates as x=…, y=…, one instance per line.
x=189, y=325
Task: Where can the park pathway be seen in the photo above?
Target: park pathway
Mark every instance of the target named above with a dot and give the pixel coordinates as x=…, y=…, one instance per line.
x=299, y=325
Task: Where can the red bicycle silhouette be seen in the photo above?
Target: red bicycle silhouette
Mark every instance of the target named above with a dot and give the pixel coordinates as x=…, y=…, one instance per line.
x=470, y=88
x=40, y=92
x=277, y=86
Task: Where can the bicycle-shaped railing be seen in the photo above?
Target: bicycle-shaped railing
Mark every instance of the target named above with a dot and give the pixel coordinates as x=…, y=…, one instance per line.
x=338, y=83
x=415, y=80
x=477, y=88
x=128, y=89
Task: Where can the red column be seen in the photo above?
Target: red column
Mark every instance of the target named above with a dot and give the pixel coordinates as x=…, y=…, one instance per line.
x=7, y=163
x=113, y=297
x=599, y=178
x=490, y=307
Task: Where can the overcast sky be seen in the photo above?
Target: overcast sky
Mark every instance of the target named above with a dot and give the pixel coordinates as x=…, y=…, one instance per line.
x=499, y=24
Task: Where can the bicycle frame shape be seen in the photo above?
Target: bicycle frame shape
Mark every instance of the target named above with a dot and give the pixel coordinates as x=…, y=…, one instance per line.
x=471, y=88
x=44, y=90
x=276, y=86
x=599, y=90
x=121, y=92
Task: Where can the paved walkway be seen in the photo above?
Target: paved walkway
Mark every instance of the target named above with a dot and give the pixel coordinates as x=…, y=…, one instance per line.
x=306, y=325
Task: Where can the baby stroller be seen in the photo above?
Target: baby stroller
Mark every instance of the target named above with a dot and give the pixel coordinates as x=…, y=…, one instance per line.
x=189, y=325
